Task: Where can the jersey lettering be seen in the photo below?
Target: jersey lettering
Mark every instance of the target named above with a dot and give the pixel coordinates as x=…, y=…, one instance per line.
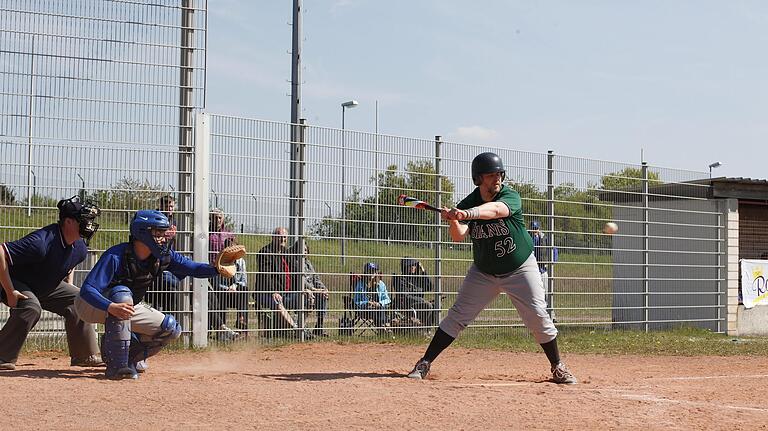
x=489, y=230
x=504, y=247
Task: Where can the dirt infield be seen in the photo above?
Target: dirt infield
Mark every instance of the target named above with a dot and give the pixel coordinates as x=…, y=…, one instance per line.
x=334, y=386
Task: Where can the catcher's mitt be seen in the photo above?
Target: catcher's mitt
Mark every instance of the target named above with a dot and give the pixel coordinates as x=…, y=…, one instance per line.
x=225, y=261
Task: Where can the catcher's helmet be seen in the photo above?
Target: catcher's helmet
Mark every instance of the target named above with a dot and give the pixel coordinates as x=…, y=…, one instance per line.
x=142, y=225
x=84, y=212
x=486, y=163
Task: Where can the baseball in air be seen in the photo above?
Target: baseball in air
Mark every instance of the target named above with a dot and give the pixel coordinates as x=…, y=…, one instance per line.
x=610, y=228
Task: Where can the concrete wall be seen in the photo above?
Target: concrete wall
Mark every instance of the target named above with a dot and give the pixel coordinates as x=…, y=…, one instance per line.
x=682, y=271
x=753, y=321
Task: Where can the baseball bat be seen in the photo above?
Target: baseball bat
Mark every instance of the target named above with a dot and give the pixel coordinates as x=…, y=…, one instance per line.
x=416, y=203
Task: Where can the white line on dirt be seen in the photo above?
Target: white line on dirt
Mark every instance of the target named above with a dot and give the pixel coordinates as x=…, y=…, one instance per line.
x=490, y=385
x=749, y=376
x=655, y=399
x=631, y=395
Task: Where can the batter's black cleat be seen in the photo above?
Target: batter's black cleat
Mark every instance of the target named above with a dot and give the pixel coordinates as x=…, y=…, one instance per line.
x=90, y=361
x=421, y=370
x=562, y=375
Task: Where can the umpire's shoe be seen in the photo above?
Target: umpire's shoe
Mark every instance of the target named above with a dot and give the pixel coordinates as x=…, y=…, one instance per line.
x=421, y=370
x=7, y=366
x=562, y=375
x=90, y=361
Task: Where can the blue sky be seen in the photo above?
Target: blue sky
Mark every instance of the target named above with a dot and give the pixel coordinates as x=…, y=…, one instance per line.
x=685, y=82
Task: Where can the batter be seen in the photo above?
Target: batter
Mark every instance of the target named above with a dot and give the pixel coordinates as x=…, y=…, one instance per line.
x=503, y=258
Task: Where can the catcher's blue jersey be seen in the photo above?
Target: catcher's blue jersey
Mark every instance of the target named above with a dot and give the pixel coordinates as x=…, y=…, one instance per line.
x=112, y=268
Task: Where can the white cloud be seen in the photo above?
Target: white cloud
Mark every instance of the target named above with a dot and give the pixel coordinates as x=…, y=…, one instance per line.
x=342, y=3
x=475, y=133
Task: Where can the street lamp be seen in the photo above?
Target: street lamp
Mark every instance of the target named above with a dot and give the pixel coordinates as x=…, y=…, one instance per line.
x=344, y=106
x=215, y=199
x=82, y=186
x=32, y=187
x=256, y=209
x=329, y=210
x=712, y=166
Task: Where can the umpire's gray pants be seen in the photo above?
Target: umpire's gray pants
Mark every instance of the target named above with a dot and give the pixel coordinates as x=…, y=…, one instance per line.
x=81, y=336
x=523, y=286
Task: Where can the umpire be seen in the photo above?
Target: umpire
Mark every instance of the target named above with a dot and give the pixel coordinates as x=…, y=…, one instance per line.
x=35, y=273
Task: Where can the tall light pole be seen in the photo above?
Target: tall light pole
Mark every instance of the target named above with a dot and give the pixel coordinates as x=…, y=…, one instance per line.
x=712, y=166
x=344, y=106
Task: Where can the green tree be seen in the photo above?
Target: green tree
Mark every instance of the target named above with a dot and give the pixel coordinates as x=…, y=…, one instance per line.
x=7, y=196
x=395, y=222
x=578, y=213
x=128, y=195
x=627, y=179
x=580, y=216
x=534, y=200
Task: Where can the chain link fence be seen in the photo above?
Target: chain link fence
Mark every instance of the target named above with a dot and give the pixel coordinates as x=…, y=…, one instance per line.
x=663, y=268
x=97, y=99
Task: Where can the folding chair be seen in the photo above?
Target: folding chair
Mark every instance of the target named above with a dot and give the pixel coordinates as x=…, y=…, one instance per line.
x=353, y=322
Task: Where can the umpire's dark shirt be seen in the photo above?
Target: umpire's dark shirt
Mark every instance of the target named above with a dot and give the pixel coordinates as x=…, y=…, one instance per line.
x=41, y=259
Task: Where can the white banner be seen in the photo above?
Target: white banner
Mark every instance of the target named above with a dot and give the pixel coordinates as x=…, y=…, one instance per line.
x=753, y=287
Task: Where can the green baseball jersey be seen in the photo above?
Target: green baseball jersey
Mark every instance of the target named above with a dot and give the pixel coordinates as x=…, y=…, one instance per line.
x=499, y=246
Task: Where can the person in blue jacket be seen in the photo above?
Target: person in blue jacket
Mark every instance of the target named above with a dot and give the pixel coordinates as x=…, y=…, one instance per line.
x=371, y=296
x=112, y=294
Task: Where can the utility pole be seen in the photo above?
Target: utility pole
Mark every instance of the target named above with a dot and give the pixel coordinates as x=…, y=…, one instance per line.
x=295, y=112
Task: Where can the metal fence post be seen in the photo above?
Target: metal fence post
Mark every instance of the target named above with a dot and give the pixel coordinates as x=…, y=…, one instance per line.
x=731, y=234
x=550, y=287
x=299, y=207
x=439, y=231
x=293, y=185
x=185, y=199
x=646, y=244
x=200, y=231
x=30, y=126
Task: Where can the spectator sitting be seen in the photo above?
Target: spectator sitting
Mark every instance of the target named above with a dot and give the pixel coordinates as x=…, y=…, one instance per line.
x=240, y=286
x=314, y=289
x=371, y=296
x=232, y=295
x=273, y=282
x=219, y=237
x=408, y=292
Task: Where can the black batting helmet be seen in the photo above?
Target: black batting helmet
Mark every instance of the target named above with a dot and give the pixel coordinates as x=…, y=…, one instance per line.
x=486, y=163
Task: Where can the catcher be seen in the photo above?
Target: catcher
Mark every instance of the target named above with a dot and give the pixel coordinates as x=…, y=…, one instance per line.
x=113, y=291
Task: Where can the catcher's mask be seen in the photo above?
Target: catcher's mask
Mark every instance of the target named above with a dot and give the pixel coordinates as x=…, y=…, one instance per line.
x=487, y=163
x=150, y=227
x=84, y=213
